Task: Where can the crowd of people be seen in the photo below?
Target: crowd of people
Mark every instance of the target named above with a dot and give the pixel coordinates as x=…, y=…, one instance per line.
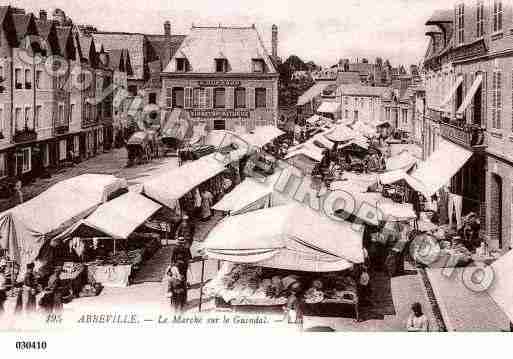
x=34, y=292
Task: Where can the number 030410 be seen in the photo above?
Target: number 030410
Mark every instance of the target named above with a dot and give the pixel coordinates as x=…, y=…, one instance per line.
x=31, y=345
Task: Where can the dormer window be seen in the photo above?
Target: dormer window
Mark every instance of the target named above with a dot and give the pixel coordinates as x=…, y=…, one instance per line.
x=221, y=65
x=258, y=66
x=181, y=65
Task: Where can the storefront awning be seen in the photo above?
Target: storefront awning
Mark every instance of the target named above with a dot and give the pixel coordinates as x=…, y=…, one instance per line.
x=312, y=92
x=450, y=94
x=470, y=95
x=328, y=107
x=439, y=168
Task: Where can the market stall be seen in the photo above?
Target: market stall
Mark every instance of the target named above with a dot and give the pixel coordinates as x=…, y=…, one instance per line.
x=184, y=179
x=403, y=161
x=104, y=241
x=273, y=239
x=26, y=228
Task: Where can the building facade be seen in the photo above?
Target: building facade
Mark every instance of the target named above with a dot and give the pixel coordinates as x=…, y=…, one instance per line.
x=361, y=103
x=43, y=113
x=224, y=78
x=468, y=69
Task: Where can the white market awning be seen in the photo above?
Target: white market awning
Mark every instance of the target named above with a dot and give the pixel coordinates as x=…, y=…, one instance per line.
x=245, y=195
x=312, y=92
x=308, y=150
x=118, y=218
x=439, y=168
x=403, y=161
x=450, y=94
x=314, y=242
x=328, y=107
x=470, y=95
x=169, y=187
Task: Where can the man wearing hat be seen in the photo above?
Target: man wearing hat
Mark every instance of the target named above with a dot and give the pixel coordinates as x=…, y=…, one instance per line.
x=182, y=256
x=186, y=230
x=27, y=296
x=54, y=289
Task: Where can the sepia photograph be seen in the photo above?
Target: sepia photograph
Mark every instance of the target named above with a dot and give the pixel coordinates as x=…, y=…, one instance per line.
x=280, y=166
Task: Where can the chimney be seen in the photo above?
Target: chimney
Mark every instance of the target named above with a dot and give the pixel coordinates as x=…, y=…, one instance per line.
x=167, y=28
x=43, y=15
x=275, y=41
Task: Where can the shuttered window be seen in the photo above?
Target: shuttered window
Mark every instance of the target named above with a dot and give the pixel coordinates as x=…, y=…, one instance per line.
x=230, y=93
x=178, y=97
x=219, y=97
x=250, y=97
x=260, y=97
x=240, y=97
x=169, y=97
x=209, y=97
x=188, y=97
x=496, y=100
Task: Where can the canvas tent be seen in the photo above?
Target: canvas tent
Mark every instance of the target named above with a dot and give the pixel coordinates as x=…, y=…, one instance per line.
x=403, y=161
x=170, y=186
x=25, y=228
x=117, y=218
x=341, y=133
x=274, y=238
x=399, y=175
x=371, y=208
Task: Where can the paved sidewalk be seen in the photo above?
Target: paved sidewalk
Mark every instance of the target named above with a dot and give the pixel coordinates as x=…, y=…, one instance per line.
x=462, y=308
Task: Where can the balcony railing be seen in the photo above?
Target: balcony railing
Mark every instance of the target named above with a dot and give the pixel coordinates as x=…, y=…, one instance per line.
x=25, y=135
x=61, y=129
x=469, y=136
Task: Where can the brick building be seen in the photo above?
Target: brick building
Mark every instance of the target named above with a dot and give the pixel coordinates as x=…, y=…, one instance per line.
x=468, y=75
x=224, y=77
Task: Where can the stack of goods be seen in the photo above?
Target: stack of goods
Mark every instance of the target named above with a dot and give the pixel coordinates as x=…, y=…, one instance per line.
x=455, y=255
x=244, y=285
x=71, y=270
x=91, y=290
x=332, y=289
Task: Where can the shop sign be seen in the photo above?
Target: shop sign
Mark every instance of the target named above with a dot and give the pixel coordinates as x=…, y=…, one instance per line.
x=220, y=113
x=219, y=83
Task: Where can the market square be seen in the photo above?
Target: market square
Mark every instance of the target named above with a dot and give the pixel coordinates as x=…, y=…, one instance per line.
x=201, y=179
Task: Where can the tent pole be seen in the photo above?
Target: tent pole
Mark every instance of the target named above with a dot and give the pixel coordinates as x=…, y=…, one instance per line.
x=202, y=280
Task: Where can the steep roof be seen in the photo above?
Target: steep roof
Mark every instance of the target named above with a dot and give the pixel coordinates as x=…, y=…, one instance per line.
x=24, y=25
x=361, y=90
x=48, y=32
x=7, y=24
x=66, y=43
x=134, y=42
x=165, y=47
x=117, y=59
x=441, y=16
x=239, y=45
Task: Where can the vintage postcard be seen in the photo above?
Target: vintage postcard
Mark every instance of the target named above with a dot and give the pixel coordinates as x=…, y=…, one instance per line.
x=282, y=165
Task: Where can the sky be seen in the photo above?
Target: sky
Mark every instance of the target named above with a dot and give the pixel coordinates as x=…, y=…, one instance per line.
x=323, y=31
